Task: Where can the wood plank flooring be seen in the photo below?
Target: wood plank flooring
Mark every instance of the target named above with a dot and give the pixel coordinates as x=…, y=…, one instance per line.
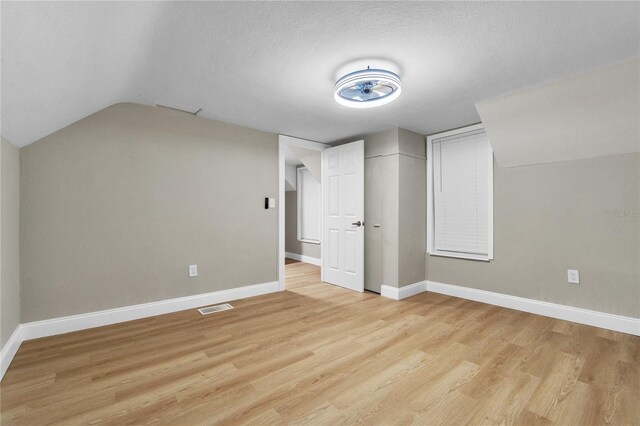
x=321, y=355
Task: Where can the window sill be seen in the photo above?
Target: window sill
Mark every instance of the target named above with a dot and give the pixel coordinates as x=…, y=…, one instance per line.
x=462, y=256
x=309, y=241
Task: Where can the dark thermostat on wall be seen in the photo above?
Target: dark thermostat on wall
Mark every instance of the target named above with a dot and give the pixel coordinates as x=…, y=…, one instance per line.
x=269, y=203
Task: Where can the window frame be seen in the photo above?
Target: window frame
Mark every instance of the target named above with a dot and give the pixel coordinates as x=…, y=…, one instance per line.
x=300, y=170
x=430, y=243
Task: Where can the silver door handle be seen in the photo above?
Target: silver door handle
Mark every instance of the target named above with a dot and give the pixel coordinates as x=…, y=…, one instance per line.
x=358, y=223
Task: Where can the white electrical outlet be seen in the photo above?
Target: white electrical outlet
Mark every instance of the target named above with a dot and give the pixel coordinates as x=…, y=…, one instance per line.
x=193, y=271
x=573, y=276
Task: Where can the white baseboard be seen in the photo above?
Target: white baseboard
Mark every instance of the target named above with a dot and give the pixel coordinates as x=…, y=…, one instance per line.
x=403, y=292
x=68, y=324
x=303, y=258
x=9, y=350
x=619, y=323
x=50, y=327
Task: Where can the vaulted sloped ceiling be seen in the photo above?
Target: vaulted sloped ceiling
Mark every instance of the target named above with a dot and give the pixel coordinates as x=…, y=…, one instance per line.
x=272, y=65
x=311, y=159
x=590, y=115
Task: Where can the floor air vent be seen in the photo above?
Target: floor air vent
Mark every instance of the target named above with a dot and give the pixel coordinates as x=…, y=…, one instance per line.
x=213, y=309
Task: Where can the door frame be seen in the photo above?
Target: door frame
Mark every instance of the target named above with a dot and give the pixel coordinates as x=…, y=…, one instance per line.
x=284, y=141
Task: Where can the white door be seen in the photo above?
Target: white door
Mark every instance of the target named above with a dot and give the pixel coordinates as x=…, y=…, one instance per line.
x=343, y=215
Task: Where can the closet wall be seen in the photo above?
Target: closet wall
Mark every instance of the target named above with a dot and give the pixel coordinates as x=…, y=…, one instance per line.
x=395, y=170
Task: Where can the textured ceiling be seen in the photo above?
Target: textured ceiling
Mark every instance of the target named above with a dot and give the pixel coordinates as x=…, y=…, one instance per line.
x=272, y=66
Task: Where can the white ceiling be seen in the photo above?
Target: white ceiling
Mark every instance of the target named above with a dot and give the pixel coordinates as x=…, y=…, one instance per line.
x=272, y=66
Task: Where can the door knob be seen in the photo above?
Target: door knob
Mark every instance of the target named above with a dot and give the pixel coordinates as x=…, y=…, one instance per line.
x=358, y=223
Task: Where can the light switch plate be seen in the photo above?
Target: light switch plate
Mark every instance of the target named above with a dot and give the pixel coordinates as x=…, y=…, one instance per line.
x=272, y=203
x=573, y=276
x=193, y=271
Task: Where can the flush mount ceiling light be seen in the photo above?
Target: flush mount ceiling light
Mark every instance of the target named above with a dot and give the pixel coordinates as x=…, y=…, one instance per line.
x=367, y=88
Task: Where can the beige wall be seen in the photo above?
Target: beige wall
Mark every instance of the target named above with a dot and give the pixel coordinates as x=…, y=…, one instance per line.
x=412, y=223
x=390, y=218
x=412, y=193
x=381, y=143
x=579, y=214
x=397, y=154
x=381, y=157
x=411, y=143
x=117, y=205
x=9, y=240
x=291, y=243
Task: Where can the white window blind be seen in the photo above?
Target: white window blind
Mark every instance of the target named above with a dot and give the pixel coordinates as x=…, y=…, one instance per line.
x=308, y=187
x=462, y=195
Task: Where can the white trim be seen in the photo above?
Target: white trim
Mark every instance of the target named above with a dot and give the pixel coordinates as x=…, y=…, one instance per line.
x=455, y=132
x=468, y=256
x=396, y=293
x=569, y=313
x=315, y=242
x=284, y=141
x=50, y=327
x=604, y=320
x=299, y=190
x=9, y=350
x=302, y=258
x=430, y=218
x=281, y=185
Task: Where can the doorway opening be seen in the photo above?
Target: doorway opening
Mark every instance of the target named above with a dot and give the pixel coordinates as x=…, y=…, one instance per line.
x=300, y=207
x=327, y=216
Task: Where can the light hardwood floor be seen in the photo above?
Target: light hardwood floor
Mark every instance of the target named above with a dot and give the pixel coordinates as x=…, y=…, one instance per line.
x=319, y=354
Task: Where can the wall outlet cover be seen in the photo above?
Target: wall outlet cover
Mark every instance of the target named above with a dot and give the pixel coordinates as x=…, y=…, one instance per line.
x=193, y=271
x=573, y=276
